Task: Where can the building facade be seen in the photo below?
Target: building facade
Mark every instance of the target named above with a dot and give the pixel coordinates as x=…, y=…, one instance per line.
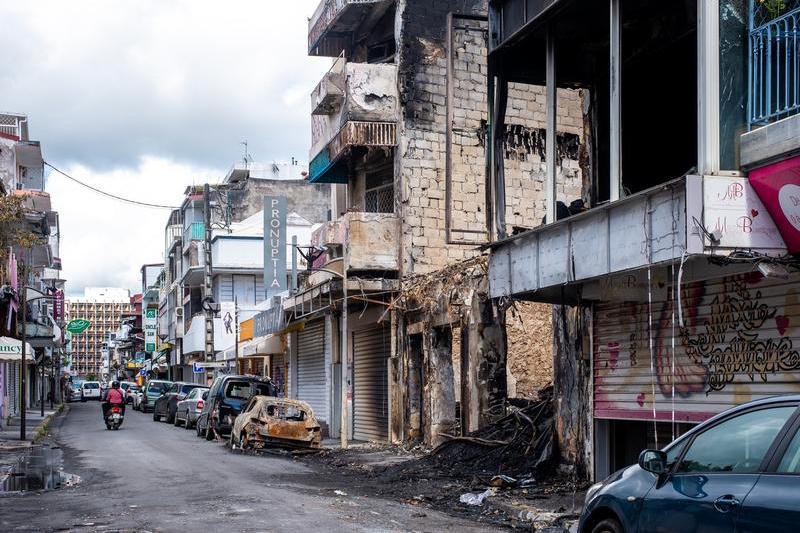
x=104, y=308
x=679, y=281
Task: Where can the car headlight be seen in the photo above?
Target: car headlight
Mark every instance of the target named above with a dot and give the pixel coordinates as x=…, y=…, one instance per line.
x=592, y=491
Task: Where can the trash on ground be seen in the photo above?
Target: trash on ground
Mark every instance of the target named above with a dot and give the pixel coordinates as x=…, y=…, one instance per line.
x=476, y=498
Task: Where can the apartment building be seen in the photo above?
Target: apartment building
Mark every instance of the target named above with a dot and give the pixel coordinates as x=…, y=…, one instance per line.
x=22, y=176
x=104, y=308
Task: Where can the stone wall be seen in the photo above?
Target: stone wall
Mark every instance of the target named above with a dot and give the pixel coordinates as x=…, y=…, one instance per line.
x=424, y=56
x=529, y=330
x=310, y=201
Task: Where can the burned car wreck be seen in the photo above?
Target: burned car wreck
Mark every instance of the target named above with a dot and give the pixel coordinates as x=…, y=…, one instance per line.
x=267, y=421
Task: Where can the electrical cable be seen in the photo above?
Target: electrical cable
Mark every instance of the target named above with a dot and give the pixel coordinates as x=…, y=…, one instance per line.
x=108, y=194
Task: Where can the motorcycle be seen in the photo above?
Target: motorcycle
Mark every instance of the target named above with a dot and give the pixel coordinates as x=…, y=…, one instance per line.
x=114, y=418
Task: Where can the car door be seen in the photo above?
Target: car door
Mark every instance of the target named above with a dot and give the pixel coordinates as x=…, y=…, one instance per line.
x=774, y=503
x=718, y=468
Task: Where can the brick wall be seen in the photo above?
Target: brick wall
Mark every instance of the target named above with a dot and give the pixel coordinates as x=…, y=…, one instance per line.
x=422, y=153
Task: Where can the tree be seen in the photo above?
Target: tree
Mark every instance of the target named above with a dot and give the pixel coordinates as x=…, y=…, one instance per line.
x=13, y=230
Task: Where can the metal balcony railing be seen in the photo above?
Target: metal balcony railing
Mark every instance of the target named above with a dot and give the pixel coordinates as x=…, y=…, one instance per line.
x=774, y=67
x=195, y=232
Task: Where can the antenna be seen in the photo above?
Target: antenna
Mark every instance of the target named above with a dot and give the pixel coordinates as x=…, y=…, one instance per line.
x=246, y=157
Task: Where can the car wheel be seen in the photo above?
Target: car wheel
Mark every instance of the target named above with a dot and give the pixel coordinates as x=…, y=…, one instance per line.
x=243, y=444
x=170, y=417
x=609, y=525
x=156, y=418
x=175, y=420
x=209, y=433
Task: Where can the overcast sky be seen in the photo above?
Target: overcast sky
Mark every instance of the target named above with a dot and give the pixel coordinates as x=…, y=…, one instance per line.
x=141, y=98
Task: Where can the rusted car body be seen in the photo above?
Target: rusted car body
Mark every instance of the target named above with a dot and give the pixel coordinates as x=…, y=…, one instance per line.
x=279, y=422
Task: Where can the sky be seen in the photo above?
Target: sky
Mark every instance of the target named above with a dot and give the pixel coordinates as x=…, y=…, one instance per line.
x=141, y=98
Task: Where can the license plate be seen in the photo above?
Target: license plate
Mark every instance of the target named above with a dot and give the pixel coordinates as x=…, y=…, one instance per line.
x=117, y=416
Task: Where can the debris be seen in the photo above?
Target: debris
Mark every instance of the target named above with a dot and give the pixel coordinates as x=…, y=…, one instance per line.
x=340, y=493
x=476, y=498
x=502, y=482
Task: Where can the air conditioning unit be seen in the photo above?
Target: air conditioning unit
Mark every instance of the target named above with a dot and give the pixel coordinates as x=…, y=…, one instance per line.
x=179, y=312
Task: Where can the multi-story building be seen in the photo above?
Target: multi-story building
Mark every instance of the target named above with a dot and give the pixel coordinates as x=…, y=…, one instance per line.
x=104, y=308
x=236, y=212
x=22, y=175
x=680, y=277
x=399, y=126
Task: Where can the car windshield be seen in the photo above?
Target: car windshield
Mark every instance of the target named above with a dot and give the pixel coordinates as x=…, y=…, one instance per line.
x=91, y=386
x=158, y=387
x=188, y=388
x=238, y=390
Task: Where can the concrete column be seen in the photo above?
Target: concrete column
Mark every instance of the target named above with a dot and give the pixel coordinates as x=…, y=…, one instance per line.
x=483, y=364
x=439, y=399
x=414, y=403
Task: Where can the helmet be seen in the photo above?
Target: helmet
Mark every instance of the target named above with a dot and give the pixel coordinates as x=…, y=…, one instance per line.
x=115, y=384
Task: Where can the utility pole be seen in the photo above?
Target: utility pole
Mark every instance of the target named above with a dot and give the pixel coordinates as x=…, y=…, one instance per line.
x=207, y=286
x=345, y=356
x=22, y=374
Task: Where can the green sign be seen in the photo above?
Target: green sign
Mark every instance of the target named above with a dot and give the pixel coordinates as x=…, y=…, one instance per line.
x=79, y=325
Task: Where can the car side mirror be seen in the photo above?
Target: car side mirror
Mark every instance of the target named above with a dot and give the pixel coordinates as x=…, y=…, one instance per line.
x=205, y=395
x=653, y=461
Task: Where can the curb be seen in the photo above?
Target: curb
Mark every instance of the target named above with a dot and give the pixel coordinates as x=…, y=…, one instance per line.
x=39, y=432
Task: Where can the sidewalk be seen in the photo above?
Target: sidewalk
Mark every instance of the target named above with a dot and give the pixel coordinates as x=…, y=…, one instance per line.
x=34, y=422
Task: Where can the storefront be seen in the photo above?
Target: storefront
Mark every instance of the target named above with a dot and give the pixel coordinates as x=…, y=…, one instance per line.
x=659, y=367
x=312, y=374
x=371, y=350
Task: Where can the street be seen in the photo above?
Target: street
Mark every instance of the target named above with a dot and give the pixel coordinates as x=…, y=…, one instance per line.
x=155, y=477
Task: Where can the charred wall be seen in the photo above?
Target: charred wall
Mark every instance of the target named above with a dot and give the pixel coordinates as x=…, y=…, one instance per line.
x=310, y=201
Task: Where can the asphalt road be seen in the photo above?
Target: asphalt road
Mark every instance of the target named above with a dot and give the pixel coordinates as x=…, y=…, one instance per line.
x=154, y=477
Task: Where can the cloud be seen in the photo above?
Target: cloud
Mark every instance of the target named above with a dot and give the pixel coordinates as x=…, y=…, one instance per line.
x=141, y=98
x=107, y=82
x=105, y=242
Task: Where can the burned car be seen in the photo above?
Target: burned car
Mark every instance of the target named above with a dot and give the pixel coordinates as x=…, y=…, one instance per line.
x=268, y=421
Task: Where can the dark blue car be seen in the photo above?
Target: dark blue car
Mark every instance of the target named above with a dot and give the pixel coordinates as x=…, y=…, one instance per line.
x=737, y=472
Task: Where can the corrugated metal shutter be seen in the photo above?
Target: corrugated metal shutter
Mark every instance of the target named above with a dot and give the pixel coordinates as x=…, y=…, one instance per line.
x=740, y=342
x=370, y=384
x=13, y=387
x=311, y=368
x=225, y=288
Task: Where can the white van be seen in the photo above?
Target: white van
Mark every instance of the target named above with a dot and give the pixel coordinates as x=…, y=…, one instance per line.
x=90, y=390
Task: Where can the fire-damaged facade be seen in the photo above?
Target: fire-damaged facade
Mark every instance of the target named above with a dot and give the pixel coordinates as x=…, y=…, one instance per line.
x=676, y=290
x=392, y=335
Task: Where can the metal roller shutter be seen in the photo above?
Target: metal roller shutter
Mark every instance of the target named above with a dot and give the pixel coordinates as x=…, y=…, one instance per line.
x=311, y=368
x=370, y=384
x=740, y=342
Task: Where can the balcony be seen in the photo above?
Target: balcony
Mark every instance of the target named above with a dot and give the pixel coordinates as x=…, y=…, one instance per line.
x=774, y=61
x=513, y=15
x=196, y=231
x=334, y=21
x=370, y=241
x=355, y=105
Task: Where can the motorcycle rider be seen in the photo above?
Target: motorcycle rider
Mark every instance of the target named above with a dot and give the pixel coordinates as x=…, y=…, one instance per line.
x=113, y=398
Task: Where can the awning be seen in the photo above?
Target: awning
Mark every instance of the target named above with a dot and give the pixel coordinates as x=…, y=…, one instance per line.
x=260, y=346
x=11, y=351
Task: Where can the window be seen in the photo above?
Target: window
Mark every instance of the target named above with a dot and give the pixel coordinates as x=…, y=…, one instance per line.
x=737, y=445
x=379, y=191
x=790, y=464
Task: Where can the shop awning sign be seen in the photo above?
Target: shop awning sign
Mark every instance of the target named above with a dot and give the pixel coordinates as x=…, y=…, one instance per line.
x=149, y=325
x=78, y=326
x=275, y=244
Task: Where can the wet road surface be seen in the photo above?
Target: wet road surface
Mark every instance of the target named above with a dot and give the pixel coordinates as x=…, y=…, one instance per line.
x=152, y=476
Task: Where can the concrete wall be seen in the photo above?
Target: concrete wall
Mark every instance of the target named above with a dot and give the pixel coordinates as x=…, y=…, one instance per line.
x=310, y=201
x=424, y=55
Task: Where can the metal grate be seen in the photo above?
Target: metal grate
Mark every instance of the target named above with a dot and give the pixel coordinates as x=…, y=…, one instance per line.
x=379, y=200
x=774, y=60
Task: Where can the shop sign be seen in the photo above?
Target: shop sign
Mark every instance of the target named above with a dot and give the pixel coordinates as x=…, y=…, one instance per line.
x=275, y=244
x=268, y=322
x=149, y=326
x=778, y=186
x=78, y=326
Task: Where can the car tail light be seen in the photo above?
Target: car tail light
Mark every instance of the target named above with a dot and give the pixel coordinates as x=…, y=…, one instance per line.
x=116, y=410
x=200, y=405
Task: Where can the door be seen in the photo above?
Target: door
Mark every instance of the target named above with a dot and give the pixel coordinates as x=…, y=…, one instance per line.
x=774, y=502
x=718, y=469
x=311, y=369
x=370, y=384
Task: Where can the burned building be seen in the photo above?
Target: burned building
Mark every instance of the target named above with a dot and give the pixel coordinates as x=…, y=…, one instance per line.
x=676, y=288
x=399, y=127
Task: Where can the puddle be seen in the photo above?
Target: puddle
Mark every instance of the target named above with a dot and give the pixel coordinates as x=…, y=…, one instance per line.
x=38, y=470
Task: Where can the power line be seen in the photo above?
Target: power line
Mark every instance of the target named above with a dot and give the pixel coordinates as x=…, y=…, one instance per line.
x=108, y=194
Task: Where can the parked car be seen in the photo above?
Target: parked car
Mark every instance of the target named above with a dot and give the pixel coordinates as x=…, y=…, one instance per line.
x=270, y=421
x=130, y=391
x=90, y=390
x=166, y=404
x=227, y=397
x=152, y=391
x=190, y=407
x=739, y=471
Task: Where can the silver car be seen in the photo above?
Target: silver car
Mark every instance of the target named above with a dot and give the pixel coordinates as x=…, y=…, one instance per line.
x=190, y=407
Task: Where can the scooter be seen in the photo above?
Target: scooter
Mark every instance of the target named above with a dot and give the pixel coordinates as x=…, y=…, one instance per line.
x=114, y=418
